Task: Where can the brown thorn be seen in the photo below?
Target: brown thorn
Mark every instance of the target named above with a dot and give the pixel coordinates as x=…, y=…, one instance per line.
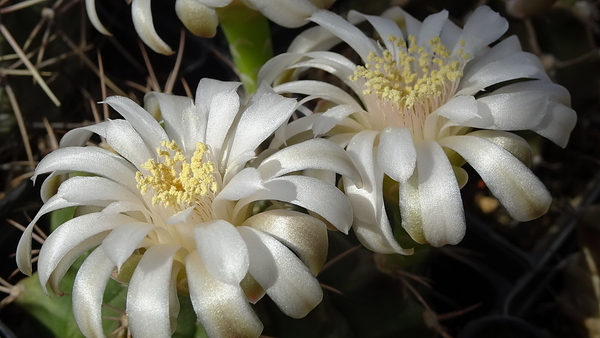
x=21, y=72
x=137, y=86
x=186, y=87
x=457, y=313
x=340, y=256
x=330, y=288
x=173, y=75
x=34, y=32
x=28, y=64
x=125, y=53
x=46, y=35
x=20, y=121
x=22, y=228
x=102, y=85
x=18, y=6
x=152, y=77
x=51, y=135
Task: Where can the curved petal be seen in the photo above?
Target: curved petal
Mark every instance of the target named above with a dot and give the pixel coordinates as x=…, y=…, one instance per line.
x=320, y=89
x=222, y=308
x=141, y=13
x=442, y=214
x=79, y=136
x=259, y=121
x=126, y=141
x=557, y=124
x=140, y=120
x=331, y=118
x=64, y=242
x=88, y=292
x=90, y=7
x=312, y=154
x=148, y=297
x=224, y=107
x=284, y=277
x=431, y=27
x=92, y=160
x=514, y=144
x=383, y=26
x=313, y=38
x=371, y=224
x=171, y=108
x=309, y=193
x=222, y=250
x=353, y=36
x=286, y=13
x=523, y=195
x=482, y=28
x=304, y=234
x=396, y=155
x=122, y=241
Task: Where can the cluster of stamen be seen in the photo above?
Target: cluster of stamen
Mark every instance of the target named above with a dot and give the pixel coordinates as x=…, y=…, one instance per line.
x=178, y=183
x=412, y=77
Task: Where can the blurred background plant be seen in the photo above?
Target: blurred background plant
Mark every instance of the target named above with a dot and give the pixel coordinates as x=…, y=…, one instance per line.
x=532, y=279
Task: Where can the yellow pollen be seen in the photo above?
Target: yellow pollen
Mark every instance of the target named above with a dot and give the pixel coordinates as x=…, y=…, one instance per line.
x=175, y=181
x=411, y=75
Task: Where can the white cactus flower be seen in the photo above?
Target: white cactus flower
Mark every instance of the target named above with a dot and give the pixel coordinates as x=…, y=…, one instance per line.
x=426, y=98
x=200, y=16
x=180, y=201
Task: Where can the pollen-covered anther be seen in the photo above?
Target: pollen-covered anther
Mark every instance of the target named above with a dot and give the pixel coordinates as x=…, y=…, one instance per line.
x=177, y=182
x=417, y=75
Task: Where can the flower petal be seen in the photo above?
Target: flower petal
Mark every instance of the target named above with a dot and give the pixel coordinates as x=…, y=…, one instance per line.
x=149, y=307
x=284, y=277
x=286, y=13
x=302, y=233
x=224, y=107
x=312, y=154
x=171, y=108
x=442, y=214
x=222, y=308
x=510, y=142
x=141, y=120
x=396, y=155
x=331, y=118
x=353, y=36
x=222, y=250
x=371, y=224
x=307, y=192
x=557, y=124
x=88, y=291
x=122, y=241
x=141, y=13
x=90, y=7
x=383, y=26
x=523, y=195
x=126, y=141
x=482, y=28
x=321, y=89
x=431, y=27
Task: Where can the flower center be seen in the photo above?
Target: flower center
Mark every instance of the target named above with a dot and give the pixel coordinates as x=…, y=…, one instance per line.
x=179, y=184
x=408, y=83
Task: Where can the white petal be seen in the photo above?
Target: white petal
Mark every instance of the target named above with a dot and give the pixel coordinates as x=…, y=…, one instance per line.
x=92, y=160
x=518, y=189
x=259, y=121
x=442, y=212
x=171, y=108
x=407, y=23
x=286, y=13
x=222, y=250
x=141, y=13
x=557, y=124
x=514, y=144
x=518, y=65
x=88, y=291
x=284, y=277
x=331, y=118
x=460, y=109
x=73, y=238
x=510, y=111
x=371, y=224
x=501, y=50
x=396, y=155
x=224, y=107
x=148, y=297
x=431, y=27
x=243, y=184
x=141, y=120
x=126, y=141
x=353, y=36
x=304, y=234
x=122, y=241
x=313, y=38
x=323, y=90
x=312, y=154
x=310, y=193
x=90, y=7
x=79, y=136
x=222, y=308
x=383, y=26
x=482, y=28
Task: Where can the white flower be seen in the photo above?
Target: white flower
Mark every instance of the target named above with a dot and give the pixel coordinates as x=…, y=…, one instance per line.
x=430, y=97
x=200, y=16
x=179, y=200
